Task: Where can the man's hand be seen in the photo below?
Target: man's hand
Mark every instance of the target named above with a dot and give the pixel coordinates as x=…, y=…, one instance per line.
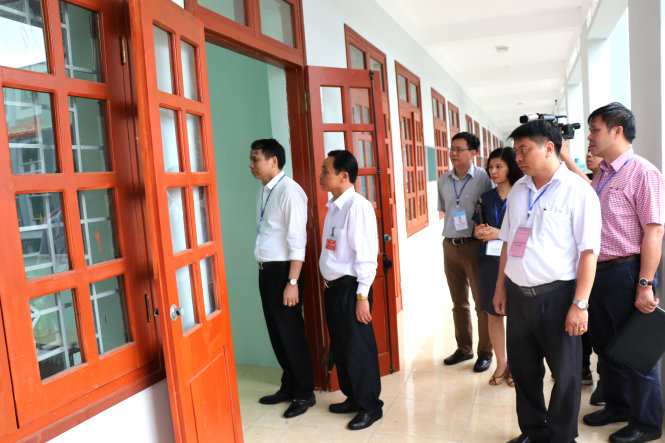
x=645, y=300
x=290, y=297
x=499, y=300
x=577, y=320
x=362, y=311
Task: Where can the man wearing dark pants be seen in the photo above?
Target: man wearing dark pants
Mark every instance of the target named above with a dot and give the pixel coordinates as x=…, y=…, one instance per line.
x=348, y=266
x=281, y=217
x=551, y=234
x=459, y=190
x=631, y=201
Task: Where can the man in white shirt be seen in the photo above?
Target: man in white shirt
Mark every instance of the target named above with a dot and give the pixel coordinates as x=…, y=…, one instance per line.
x=551, y=234
x=281, y=217
x=348, y=266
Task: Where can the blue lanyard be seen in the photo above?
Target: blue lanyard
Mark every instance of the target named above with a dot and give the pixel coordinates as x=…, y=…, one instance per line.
x=263, y=207
x=610, y=177
x=531, y=205
x=497, y=213
x=457, y=196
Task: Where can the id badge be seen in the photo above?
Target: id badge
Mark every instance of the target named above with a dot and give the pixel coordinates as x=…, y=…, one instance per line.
x=520, y=241
x=494, y=248
x=331, y=244
x=460, y=220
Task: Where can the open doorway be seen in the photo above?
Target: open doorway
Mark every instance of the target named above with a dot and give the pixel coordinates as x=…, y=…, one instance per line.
x=248, y=102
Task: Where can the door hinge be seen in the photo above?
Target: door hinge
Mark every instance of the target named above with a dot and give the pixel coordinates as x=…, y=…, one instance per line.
x=123, y=51
x=306, y=102
x=148, y=307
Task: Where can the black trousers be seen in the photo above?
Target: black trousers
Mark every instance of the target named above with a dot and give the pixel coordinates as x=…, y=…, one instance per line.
x=286, y=329
x=625, y=391
x=536, y=328
x=353, y=348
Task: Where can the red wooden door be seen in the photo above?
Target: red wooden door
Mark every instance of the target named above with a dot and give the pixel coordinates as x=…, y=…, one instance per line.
x=186, y=244
x=342, y=117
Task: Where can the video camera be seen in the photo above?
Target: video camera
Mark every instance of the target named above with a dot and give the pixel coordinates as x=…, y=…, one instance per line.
x=567, y=129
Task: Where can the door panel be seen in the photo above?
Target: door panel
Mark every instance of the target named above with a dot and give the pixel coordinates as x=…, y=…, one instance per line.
x=342, y=117
x=181, y=193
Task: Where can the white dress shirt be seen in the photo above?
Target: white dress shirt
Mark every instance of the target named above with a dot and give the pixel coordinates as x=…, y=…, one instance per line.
x=351, y=224
x=282, y=234
x=565, y=221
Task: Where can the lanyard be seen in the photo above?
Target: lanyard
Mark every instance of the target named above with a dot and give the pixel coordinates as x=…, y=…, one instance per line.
x=610, y=177
x=531, y=205
x=497, y=213
x=457, y=196
x=263, y=207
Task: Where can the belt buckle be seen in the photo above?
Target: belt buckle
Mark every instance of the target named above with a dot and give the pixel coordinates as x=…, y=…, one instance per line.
x=325, y=283
x=529, y=292
x=260, y=265
x=457, y=241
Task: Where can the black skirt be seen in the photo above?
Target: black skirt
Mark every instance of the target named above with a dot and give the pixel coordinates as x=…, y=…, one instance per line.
x=488, y=272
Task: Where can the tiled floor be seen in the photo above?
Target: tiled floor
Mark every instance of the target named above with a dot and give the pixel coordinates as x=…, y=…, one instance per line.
x=424, y=401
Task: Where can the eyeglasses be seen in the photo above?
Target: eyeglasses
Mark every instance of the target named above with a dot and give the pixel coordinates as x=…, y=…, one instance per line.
x=459, y=149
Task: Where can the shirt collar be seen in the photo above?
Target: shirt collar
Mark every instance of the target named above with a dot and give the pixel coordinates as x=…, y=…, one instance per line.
x=346, y=196
x=471, y=171
x=271, y=184
x=618, y=162
x=561, y=170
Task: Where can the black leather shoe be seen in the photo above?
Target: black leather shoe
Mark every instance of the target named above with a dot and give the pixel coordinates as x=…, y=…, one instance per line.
x=629, y=434
x=603, y=417
x=596, y=398
x=482, y=364
x=457, y=357
x=275, y=398
x=345, y=407
x=364, y=419
x=299, y=406
x=522, y=439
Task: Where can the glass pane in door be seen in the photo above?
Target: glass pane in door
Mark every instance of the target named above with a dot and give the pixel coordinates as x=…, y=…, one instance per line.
x=331, y=104
x=87, y=120
x=276, y=20
x=80, y=41
x=377, y=67
x=357, y=57
x=185, y=297
x=55, y=332
x=363, y=149
x=231, y=9
x=194, y=138
x=110, y=314
x=41, y=225
x=333, y=141
x=177, y=219
x=201, y=214
x=189, y=83
x=163, y=60
x=208, y=284
x=97, y=225
x=22, y=43
x=30, y=130
x=168, y=119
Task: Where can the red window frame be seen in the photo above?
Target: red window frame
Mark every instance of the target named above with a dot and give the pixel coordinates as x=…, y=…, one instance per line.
x=413, y=152
x=440, y=135
x=453, y=120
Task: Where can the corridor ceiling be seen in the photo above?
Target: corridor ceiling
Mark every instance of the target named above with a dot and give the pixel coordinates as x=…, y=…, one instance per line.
x=465, y=38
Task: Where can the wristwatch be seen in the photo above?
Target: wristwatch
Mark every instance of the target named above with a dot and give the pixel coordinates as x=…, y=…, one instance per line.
x=644, y=282
x=581, y=303
x=361, y=297
x=293, y=281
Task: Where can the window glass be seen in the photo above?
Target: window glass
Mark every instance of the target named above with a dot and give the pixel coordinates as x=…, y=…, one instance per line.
x=363, y=149
x=80, y=41
x=163, y=59
x=201, y=214
x=185, y=297
x=110, y=314
x=177, y=219
x=378, y=67
x=232, y=9
x=401, y=88
x=189, y=82
x=277, y=21
x=169, y=140
x=22, y=44
x=41, y=225
x=97, y=225
x=194, y=139
x=333, y=141
x=87, y=120
x=208, y=283
x=331, y=104
x=413, y=94
x=55, y=332
x=357, y=57
x=30, y=130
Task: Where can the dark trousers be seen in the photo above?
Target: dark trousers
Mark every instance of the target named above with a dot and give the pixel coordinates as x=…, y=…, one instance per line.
x=353, y=348
x=625, y=391
x=286, y=329
x=536, y=328
x=586, y=351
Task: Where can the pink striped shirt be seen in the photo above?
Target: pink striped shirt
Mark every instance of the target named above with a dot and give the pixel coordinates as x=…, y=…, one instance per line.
x=631, y=199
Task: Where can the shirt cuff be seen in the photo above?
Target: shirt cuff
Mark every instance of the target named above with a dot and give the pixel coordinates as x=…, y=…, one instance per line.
x=363, y=289
x=297, y=254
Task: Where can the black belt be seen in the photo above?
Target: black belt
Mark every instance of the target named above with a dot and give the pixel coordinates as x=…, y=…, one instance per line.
x=460, y=241
x=616, y=261
x=272, y=264
x=346, y=280
x=533, y=291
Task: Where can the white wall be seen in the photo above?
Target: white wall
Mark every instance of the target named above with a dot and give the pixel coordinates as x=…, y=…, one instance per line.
x=144, y=417
x=325, y=43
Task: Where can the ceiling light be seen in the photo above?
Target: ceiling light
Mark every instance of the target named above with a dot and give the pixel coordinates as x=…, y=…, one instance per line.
x=501, y=49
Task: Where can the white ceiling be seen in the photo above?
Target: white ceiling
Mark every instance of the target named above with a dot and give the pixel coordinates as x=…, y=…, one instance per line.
x=462, y=36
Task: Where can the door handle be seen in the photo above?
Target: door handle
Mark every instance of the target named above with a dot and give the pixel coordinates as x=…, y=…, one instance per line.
x=386, y=238
x=175, y=312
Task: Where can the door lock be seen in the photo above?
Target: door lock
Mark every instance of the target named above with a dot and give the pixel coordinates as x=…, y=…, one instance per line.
x=175, y=312
x=386, y=238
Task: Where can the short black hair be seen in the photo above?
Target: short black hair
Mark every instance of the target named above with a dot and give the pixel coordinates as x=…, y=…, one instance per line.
x=507, y=154
x=344, y=161
x=540, y=132
x=615, y=114
x=472, y=141
x=271, y=148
